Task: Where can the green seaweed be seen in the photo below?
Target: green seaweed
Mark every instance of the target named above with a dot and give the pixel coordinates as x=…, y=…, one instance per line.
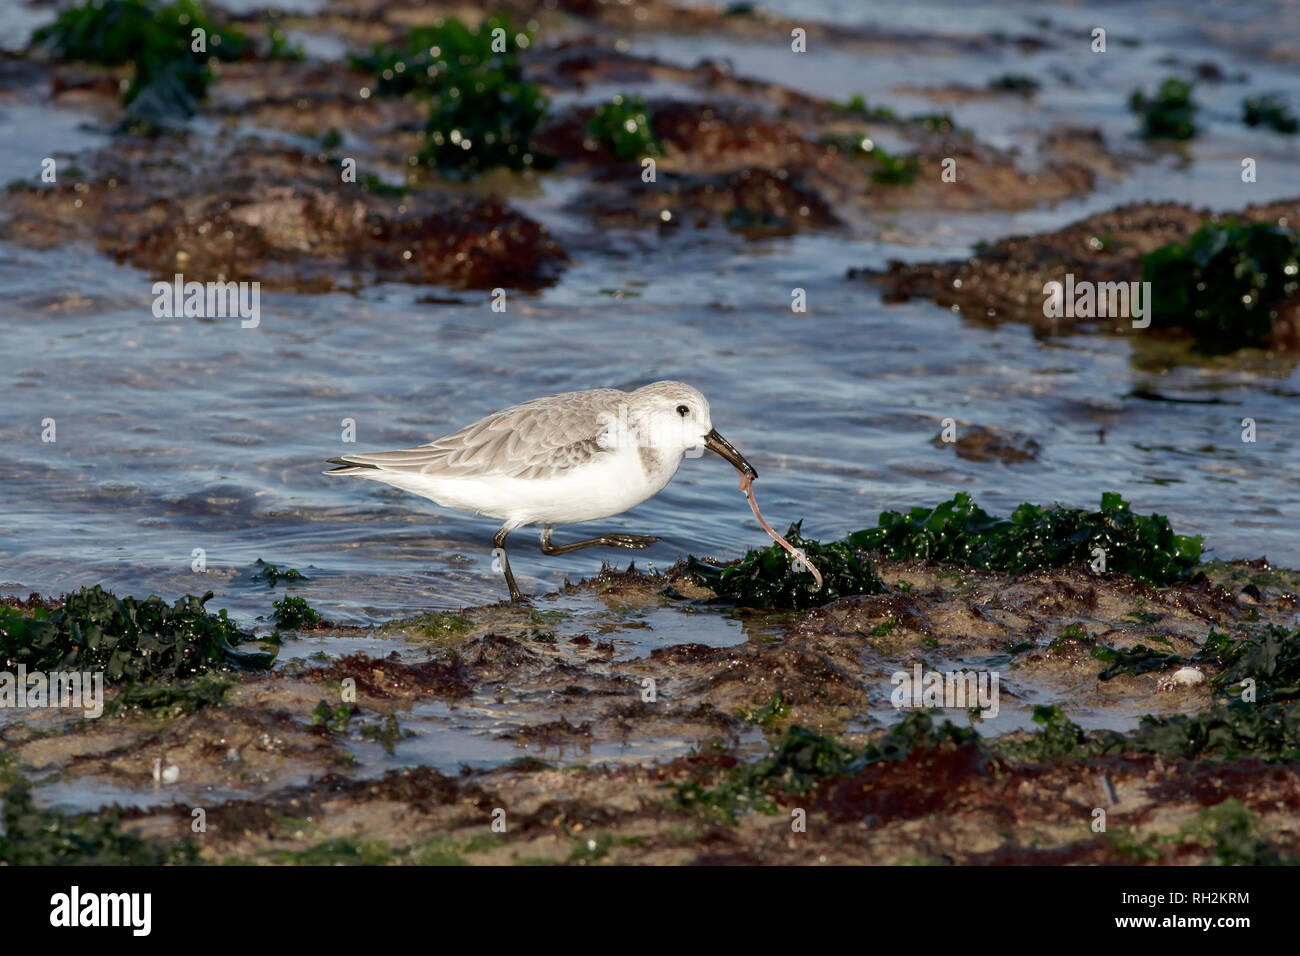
x=934, y=122
x=333, y=719
x=623, y=127
x=1015, y=83
x=442, y=850
x=169, y=78
x=127, y=638
x=1070, y=634
x=1141, y=850
x=377, y=187
x=429, y=55
x=47, y=837
x=770, y=578
x=1270, y=658
x=775, y=709
x=893, y=170
x=1232, y=834
x=1271, y=112
x=442, y=626
x=1241, y=575
x=1269, y=728
x=1132, y=661
x=167, y=702
x=798, y=762
x=280, y=48
x=294, y=613
x=1224, y=284
x=483, y=124
x=482, y=112
x=960, y=532
x=340, y=851
x=803, y=761
x=884, y=628
x=273, y=574
x=1144, y=617
x=386, y=732
x=1169, y=114
x=1229, y=830
x=1057, y=737
x=857, y=106
x=1237, y=729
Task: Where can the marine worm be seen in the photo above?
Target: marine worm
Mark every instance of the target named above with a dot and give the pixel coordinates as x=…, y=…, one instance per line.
x=747, y=486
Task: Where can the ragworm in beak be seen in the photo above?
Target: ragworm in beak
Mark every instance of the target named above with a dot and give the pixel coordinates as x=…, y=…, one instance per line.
x=715, y=442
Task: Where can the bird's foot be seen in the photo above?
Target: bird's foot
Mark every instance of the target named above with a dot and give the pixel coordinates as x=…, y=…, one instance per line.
x=633, y=542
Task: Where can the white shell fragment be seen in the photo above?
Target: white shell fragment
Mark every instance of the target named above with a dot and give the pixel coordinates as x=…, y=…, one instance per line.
x=1183, y=677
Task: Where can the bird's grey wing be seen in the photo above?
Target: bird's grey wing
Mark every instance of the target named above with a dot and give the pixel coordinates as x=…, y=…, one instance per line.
x=538, y=439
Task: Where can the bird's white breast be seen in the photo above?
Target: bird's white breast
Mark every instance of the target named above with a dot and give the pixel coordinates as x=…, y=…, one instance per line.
x=609, y=485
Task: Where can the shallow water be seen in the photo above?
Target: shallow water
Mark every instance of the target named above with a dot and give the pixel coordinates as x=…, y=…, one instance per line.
x=176, y=435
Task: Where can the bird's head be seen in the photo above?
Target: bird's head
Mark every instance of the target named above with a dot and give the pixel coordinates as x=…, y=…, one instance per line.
x=675, y=419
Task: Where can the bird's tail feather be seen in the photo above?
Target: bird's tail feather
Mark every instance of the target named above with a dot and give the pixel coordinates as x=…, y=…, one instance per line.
x=346, y=467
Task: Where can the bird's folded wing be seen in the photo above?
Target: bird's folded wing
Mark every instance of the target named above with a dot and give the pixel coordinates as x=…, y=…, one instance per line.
x=538, y=439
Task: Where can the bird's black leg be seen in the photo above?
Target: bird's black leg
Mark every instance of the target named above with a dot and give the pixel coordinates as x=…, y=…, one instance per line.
x=633, y=542
x=499, y=548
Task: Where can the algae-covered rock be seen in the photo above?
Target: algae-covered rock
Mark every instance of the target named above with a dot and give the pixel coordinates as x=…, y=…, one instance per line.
x=1226, y=283
x=127, y=638
x=1270, y=112
x=768, y=578
x=1113, y=540
x=169, y=77
x=623, y=127
x=1169, y=113
x=482, y=112
x=959, y=531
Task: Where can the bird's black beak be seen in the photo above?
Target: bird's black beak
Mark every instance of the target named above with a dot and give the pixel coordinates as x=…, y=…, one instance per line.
x=715, y=442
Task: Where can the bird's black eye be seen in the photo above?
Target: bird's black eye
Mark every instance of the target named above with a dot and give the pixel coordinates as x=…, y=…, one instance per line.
x=683, y=410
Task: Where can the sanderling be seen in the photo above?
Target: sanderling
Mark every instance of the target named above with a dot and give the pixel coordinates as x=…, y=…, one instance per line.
x=563, y=459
